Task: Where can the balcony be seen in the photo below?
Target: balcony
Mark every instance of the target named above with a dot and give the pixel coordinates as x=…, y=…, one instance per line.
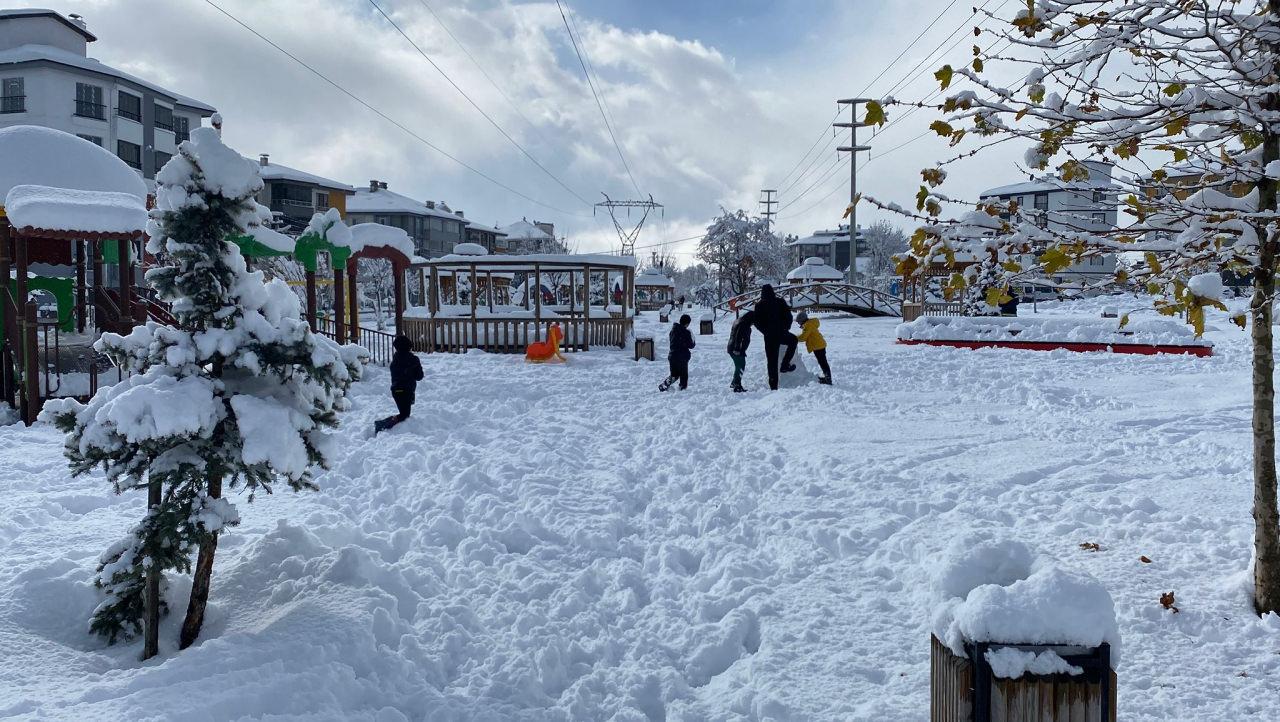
x=292, y=208
x=161, y=125
x=13, y=104
x=86, y=109
x=129, y=114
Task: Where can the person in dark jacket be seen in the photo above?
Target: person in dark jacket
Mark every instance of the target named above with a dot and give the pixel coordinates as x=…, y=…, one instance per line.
x=739, y=340
x=773, y=320
x=406, y=372
x=682, y=344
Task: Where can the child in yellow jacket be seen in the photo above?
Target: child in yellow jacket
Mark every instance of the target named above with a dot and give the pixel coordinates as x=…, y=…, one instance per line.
x=814, y=343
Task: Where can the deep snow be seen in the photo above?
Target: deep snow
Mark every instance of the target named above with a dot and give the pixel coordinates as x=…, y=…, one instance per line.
x=563, y=542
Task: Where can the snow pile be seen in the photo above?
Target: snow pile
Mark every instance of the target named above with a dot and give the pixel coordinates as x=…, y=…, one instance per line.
x=1206, y=285
x=470, y=249
x=1151, y=331
x=814, y=269
x=67, y=209
x=993, y=590
x=376, y=235
x=8, y=414
x=275, y=240
x=1012, y=663
x=43, y=156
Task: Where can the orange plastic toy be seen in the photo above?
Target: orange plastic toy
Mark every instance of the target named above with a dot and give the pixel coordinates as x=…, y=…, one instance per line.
x=543, y=351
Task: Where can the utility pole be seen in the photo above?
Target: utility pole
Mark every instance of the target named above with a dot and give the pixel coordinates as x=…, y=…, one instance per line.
x=852, y=149
x=767, y=203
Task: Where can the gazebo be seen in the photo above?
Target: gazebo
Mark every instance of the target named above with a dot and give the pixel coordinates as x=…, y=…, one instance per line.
x=567, y=289
x=814, y=270
x=653, y=289
x=66, y=202
x=921, y=290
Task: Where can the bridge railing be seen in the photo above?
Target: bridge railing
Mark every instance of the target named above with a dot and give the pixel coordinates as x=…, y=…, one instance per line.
x=839, y=296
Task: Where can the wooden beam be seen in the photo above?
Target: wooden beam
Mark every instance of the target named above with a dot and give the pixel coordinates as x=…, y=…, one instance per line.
x=339, y=305
x=353, y=302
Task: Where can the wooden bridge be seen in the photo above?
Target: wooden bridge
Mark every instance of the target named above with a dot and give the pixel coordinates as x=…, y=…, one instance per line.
x=822, y=296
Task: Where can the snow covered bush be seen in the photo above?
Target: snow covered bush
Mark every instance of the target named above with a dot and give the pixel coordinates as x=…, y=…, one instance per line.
x=1179, y=93
x=743, y=250
x=239, y=392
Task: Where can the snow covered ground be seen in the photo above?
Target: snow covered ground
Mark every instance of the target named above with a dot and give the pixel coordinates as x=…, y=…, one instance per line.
x=563, y=542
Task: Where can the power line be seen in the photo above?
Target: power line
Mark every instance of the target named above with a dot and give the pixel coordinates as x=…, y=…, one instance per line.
x=440, y=21
x=905, y=49
x=475, y=105
x=599, y=104
x=926, y=59
x=388, y=118
x=816, y=141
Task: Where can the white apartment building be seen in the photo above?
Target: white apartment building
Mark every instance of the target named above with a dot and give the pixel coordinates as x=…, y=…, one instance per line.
x=1082, y=205
x=48, y=79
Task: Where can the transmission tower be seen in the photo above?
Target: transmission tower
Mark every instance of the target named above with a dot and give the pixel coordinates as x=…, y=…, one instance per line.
x=628, y=237
x=766, y=205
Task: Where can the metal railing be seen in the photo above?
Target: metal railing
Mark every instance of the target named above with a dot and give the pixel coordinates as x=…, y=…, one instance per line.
x=13, y=104
x=86, y=109
x=820, y=295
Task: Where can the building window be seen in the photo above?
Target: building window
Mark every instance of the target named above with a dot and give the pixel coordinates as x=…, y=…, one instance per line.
x=164, y=118
x=89, y=101
x=12, y=98
x=95, y=139
x=1042, y=201
x=1097, y=196
x=130, y=153
x=181, y=128
x=129, y=106
x=1100, y=218
x=322, y=200
x=161, y=159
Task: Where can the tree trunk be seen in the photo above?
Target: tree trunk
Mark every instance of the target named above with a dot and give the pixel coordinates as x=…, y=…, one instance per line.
x=151, y=601
x=1266, y=517
x=200, y=582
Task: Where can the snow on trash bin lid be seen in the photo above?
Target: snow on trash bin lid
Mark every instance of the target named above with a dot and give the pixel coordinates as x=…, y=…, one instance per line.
x=993, y=590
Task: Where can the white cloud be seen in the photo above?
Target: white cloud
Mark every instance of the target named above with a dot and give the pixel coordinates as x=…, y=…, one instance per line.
x=702, y=129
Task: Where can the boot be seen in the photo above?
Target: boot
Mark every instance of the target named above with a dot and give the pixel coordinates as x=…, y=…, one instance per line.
x=788, y=368
x=737, y=388
x=824, y=380
x=667, y=384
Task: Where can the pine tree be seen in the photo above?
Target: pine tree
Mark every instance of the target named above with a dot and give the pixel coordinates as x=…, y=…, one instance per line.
x=240, y=393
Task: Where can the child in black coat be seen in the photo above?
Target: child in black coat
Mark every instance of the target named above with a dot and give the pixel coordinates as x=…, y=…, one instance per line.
x=406, y=372
x=739, y=340
x=681, y=345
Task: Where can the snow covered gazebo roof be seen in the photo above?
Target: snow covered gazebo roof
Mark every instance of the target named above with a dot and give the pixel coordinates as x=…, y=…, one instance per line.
x=814, y=269
x=55, y=181
x=653, y=277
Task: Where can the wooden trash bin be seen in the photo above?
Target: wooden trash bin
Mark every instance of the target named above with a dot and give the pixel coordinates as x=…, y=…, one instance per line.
x=644, y=348
x=664, y=317
x=706, y=327
x=964, y=689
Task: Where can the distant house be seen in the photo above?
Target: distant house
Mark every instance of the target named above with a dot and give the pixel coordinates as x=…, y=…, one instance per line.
x=832, y=246
x=536, y=237
x=48, y=79
x=1081, y=205
x=294, y=196
x=492, y=239
x=434, y=228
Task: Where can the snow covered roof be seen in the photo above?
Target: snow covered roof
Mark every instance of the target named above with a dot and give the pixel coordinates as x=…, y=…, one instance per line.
x=388, y=201
x=376, y=235
x=46, y=12
x=43, y=156
x=814, y=269
x=821, y=238
x=525, y=262
x=275, y=171
x=76, y=211
x=523, y=230
x=470, y=249
x=652, y=277
x=486, y=229
x=48, y=53
x=1049, y=185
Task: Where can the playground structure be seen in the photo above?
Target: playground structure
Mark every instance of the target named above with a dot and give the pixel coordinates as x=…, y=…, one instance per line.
x=571, y=291
x=546, y=351
x=922, y=290
x=654, y=289
x=65, y=203
x=821, y=296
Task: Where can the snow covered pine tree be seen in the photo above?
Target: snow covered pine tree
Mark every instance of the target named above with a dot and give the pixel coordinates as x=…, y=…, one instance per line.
x=1138, y=83
x=240, y=392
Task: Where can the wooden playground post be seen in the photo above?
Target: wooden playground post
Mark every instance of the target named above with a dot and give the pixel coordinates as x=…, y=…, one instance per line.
x=311, y=299
x=151, y=601
x=80, y=286
x=7, y=320
x=30, y=360
x=398, y=290
x=586, y=308
x=126, y=295
x=353, y=302
x=475, y=329
x=339, y=305
x=95, y=265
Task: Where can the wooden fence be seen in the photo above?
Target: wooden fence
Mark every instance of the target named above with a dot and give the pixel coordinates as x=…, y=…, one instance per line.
x=508, y=335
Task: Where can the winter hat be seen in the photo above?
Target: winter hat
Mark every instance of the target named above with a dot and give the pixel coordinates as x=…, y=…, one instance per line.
x=801, y=317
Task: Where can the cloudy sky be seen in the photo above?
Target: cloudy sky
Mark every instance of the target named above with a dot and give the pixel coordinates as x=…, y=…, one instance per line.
x=711, y=101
